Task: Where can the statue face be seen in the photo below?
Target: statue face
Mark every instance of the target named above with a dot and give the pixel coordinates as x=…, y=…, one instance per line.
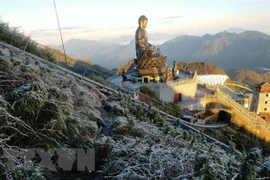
x=144, y=23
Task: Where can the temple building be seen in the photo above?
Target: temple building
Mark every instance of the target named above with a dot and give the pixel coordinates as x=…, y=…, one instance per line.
x=261, y=101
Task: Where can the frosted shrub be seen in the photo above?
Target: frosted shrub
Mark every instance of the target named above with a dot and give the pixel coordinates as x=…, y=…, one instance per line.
x=173, y=154
x=265, y=167
x=153, y=156
x=250, y=166
x=28, y=99
x=211, y=162
x=47, y=109
x=28, y=103
x=21, y=172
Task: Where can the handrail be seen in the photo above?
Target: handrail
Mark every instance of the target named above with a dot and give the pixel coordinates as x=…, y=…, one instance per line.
x=248, y=116
x=239, y=84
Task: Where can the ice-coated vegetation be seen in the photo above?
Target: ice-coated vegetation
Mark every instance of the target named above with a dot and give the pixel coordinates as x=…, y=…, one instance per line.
x=174, y=154
x=43, y=107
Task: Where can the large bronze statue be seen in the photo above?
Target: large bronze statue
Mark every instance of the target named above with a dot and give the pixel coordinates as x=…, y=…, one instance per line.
x=141, y=38
x=146, y=54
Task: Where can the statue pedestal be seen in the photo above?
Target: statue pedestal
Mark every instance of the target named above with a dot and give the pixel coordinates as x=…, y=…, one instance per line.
x=149, y=75
x=149, y=72
x=153, y=62
x=150, y=69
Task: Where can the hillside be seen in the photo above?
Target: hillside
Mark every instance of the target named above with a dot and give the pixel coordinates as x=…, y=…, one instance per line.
x=127, y=67
x=61, y=58
x=84, y=67
x=201, y=68
x=42, y=106
x=248, y=77
x=103, y=53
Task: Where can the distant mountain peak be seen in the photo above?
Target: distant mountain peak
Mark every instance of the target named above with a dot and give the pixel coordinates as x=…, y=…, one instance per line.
x=235, y=30
x=224, y=34
x=254, y=35
x=201, y=68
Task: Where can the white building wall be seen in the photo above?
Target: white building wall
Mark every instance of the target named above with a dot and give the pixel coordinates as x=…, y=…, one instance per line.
x=254, y=104
x=212, y=79
x=165, y=93
x=185, y=87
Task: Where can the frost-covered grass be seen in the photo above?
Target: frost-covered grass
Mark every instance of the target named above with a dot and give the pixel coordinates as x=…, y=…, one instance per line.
x=174, y=155
x=15, y=37
x=167, y=152
x=154, y=155
x=41, y=106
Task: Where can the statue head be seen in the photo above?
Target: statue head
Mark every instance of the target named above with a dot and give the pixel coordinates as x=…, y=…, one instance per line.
x=143, y=21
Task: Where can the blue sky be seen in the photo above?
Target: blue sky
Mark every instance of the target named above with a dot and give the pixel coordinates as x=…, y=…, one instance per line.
x=96, y=19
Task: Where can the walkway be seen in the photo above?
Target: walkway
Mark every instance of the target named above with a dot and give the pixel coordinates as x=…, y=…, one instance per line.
x=251, y=120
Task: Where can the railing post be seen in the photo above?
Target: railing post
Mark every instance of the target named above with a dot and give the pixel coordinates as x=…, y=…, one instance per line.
x=84, y=71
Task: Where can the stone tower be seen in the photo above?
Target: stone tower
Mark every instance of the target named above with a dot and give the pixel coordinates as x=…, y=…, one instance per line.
x=261, y=100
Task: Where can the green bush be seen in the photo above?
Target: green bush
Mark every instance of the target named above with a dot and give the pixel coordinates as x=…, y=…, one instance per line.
x=149, y=92
x=98, y=79
x=172, y=109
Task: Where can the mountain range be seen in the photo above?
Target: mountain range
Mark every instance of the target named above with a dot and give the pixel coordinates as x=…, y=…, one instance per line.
x=248, y=50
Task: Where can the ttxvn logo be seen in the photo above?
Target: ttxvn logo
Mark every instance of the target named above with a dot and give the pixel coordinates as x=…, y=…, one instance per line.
x=50, y=159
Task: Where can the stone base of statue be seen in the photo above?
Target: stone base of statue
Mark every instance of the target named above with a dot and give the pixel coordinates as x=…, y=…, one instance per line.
x=147, y=62
x=151, y=72
x=153, y=76
x=150, y=69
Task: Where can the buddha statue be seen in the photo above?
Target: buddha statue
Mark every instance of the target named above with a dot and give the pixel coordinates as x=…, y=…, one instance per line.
x=141, y=38
x=146, y=54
